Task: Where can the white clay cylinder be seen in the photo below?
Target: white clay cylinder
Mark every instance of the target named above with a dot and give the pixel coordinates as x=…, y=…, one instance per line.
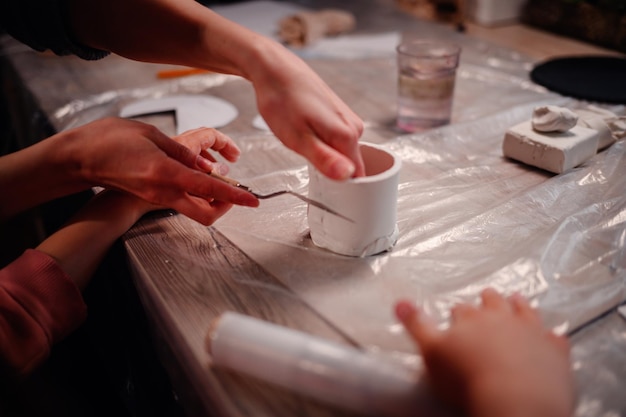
x=330, y=372
x=370, y=202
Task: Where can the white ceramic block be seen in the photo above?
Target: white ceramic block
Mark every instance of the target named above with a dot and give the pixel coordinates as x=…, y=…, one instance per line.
x=554, y=151
x=328, y=371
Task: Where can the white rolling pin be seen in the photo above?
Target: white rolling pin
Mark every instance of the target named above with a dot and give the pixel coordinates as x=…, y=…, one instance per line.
x=330, y=372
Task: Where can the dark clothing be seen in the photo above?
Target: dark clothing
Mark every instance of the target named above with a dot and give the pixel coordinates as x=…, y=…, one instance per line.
x=41, y=24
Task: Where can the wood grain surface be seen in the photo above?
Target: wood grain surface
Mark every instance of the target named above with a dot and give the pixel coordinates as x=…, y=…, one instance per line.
x=187, y=275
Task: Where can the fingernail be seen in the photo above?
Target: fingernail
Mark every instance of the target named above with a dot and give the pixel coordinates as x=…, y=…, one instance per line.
x=220, y=168
x=342, y=170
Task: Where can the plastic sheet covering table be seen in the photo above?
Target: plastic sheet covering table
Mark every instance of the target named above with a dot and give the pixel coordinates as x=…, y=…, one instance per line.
x=468, y=219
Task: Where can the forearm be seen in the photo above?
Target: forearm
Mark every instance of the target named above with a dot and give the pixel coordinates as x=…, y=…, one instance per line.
x=169, y=31
x=35, y=175
x=81, y=244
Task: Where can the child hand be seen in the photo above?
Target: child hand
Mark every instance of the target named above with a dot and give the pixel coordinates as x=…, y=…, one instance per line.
x=496, y=359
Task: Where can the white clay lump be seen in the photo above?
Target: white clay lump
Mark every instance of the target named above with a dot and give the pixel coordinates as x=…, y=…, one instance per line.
x=554, y=140
x=553, y=119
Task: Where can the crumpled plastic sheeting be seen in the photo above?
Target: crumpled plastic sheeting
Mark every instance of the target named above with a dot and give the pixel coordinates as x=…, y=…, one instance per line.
x=593, y=349
x=468, y=219
x=109, y=103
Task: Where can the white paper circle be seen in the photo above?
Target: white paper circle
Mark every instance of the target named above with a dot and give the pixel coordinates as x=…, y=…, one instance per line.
x=191, y=111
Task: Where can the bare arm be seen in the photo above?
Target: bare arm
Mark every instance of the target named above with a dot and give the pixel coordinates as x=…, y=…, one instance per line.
x=79, y=246
x=122, y=155
x=39, y=291
x=169, y=31
x=300, y=108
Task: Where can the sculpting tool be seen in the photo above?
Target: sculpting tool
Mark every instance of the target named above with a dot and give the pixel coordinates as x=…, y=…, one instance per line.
x=307, y=200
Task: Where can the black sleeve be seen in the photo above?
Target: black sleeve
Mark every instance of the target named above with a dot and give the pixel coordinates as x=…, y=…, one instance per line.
x=41, y=24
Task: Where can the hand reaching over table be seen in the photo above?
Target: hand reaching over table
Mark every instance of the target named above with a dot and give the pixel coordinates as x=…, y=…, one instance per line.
x=123, y=155
x=496, y=359
x=306, y=115
x=52, y=276
x=298, y=106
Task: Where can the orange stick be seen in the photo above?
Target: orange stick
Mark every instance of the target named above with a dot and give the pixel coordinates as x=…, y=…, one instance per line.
x=183, y=72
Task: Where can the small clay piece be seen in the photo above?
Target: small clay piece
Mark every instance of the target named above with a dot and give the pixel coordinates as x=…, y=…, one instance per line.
x=305, y=28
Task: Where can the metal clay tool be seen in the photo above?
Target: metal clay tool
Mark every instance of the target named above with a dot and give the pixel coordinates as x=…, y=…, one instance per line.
x=307, y=200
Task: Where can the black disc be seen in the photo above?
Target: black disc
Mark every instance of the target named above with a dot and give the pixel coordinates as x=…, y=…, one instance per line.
x=592, y=78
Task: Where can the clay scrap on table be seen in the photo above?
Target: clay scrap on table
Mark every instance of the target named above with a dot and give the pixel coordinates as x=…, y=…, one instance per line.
x=304, y=28
x=557, y=139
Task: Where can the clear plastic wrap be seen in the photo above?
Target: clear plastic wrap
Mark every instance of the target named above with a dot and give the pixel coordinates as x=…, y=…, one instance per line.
x=468, y=219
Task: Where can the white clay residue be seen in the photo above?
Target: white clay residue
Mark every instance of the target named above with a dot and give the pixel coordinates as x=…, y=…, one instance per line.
x=553, y=119
x=553, y=151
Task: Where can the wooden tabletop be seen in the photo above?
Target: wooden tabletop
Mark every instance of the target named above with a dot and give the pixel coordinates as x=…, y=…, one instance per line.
x=187, y=274
x=536, y=43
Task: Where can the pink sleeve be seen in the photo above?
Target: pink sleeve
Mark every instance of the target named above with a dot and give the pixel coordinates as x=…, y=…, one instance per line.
x=39, y=306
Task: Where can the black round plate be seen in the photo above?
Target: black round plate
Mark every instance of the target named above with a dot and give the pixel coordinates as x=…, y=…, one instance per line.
x=593, y=78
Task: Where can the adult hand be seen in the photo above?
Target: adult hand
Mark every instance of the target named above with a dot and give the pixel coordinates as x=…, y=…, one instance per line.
x=496, y=359
x=139, y=159
x=306, y=115
x=298, y=106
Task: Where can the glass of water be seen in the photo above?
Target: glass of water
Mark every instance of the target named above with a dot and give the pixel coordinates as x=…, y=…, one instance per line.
x=426, y=74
